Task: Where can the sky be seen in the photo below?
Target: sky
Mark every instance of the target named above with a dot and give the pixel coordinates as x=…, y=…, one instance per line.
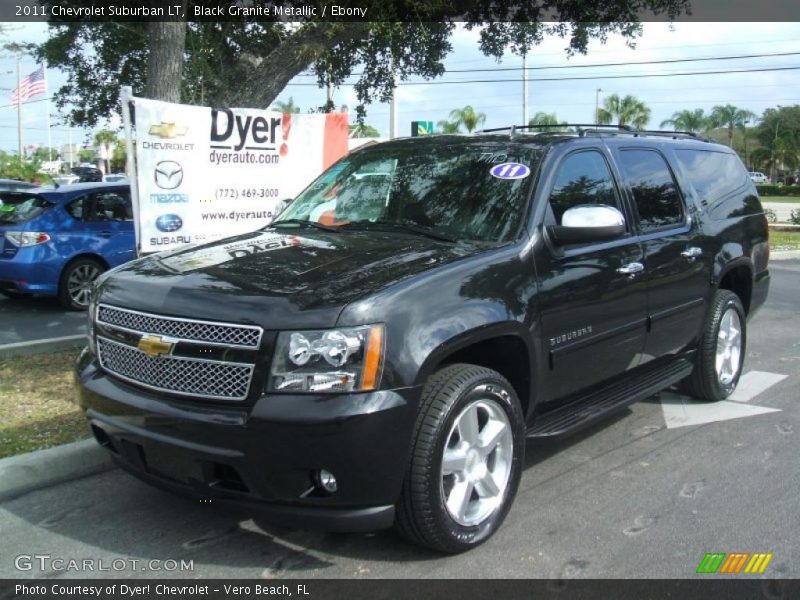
x=572, y=101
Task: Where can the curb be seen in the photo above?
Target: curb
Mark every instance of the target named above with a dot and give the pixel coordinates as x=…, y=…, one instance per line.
x=784, y=255
x=32, y=471
x=41, y=346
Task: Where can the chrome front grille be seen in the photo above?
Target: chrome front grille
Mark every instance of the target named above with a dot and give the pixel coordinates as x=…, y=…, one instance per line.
x=176, y=374
x=207, y=332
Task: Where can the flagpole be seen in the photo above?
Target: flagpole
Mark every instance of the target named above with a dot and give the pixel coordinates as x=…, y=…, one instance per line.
x=19, y=111
x=47, y=108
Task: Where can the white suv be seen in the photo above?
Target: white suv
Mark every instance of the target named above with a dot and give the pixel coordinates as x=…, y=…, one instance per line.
x=757, y=177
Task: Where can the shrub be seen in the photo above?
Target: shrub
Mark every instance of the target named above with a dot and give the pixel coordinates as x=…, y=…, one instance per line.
x=769, y=189
x=794, y=217
x=771, y=216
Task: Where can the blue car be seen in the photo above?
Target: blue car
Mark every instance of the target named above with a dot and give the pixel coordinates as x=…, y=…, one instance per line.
x=56, y=241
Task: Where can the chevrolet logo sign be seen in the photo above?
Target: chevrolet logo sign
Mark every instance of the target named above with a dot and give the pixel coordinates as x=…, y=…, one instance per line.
x=168, y=130
x=154, y=345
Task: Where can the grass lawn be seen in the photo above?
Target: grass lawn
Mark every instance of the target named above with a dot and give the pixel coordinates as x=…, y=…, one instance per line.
x=36, y=403
x=784, y=240
x=784, y=199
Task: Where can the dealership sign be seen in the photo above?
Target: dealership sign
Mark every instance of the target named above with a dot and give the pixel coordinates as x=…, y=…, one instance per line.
x=202, y=174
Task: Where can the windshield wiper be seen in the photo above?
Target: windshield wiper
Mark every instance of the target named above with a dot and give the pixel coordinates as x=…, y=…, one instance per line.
x=409, y=226
x=304, y=223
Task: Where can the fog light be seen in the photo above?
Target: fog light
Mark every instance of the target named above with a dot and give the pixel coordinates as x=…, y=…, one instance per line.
x=327, y=481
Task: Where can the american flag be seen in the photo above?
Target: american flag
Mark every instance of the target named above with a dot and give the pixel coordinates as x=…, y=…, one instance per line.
x=32, y=85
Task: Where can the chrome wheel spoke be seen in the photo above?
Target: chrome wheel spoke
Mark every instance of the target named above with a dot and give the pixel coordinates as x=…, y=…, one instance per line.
x=460, y=496
x=490, y=436
x=487, y=487
x=455, y=461
x=468, y=426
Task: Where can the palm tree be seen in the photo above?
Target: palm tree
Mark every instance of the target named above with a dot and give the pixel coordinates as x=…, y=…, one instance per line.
x=730, y=116
x=628, y=111
x=286, y=107
x=467, y=117
x=108, y=140
x=543, y=118
x=448, y=127
x=692, y=121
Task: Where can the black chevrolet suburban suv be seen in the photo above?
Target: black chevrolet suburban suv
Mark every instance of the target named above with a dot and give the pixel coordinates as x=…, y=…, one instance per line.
x=379, y=354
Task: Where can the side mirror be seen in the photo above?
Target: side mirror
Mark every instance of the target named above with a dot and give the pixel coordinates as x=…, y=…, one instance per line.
x=588, y=223
x=281, y=206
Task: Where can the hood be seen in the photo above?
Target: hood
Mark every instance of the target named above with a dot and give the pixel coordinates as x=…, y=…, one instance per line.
x=274, y=278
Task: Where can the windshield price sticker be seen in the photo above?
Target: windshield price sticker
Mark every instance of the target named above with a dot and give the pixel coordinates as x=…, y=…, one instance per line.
x=510, y=170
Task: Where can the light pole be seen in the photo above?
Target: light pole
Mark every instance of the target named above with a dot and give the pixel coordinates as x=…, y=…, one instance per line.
x=744, y=134
x=597, y=106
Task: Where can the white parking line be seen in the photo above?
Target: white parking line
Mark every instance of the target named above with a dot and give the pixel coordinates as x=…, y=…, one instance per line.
x=752, y=383
x=66, y=338
x=683, y=411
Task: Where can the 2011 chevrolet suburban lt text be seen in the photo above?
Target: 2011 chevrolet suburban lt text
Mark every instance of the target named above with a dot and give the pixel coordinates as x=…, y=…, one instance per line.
x=379, y=354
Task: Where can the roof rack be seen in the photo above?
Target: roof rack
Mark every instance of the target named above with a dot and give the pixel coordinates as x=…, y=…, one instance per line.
x=584, y=128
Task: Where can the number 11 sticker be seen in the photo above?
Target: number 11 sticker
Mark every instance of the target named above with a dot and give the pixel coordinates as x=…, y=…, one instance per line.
x=510, y=170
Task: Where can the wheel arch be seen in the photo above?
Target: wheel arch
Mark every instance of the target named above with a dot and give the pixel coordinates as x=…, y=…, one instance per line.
x=737, y=276
x=503, y=347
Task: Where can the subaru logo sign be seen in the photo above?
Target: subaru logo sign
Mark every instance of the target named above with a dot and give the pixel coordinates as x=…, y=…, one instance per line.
x=169, y=223
x=168, y=175
x=510, y=170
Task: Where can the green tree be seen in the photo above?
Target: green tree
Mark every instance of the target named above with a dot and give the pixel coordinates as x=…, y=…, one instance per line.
x=730, y=117
x=543, y=118
x=693, y=121
x=467, y=117
x=286, y=107
x=627, y=111
x=778, y=132
x=249, y=63
x=87, y=155
x=43, y=154
x=362, y=130
x=448, y=127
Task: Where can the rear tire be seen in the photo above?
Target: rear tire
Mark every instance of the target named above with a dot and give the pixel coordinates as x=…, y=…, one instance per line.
x=720, y=353
x=76, y=281
x=466, y=460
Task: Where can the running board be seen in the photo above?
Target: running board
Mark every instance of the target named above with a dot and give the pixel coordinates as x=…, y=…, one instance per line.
x=573, y=417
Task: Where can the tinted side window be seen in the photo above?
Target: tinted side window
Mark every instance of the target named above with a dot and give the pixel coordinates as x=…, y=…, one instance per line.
x=76, y=208
x=112, y=206
x=582, y=178
x=720, y=180
x=654, y=189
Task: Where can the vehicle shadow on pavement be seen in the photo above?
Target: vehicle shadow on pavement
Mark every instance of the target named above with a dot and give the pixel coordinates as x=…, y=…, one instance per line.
x=115, y=515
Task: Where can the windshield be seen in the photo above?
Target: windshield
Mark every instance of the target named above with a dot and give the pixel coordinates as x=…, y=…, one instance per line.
x=18, y=208
x=457, y=191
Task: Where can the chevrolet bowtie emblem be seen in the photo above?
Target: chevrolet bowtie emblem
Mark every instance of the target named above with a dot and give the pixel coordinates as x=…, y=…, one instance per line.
x=154, y=345
x=168, y=130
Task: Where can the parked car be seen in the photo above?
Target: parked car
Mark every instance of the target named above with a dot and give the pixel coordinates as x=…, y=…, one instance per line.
x=14, y=184
x=387, y=369
x=56, y=241
x=116, y=178
x=757, y=177
x=66, y=179
x=88, y=173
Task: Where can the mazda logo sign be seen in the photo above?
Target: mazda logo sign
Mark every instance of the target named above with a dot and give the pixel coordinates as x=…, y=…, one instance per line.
x=168, y=174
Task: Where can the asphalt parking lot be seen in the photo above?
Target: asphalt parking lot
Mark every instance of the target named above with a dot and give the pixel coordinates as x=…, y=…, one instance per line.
x=644, y=495
x=33, y=318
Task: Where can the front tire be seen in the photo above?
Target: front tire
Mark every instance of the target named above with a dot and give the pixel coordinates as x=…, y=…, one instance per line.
x=720, y=354
x=76, y=282
x=466, y=460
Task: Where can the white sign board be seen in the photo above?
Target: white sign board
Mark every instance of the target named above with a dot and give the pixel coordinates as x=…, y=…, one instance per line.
x=203, y=174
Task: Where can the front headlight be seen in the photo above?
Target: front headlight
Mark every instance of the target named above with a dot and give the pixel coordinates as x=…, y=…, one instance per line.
x=346, y=359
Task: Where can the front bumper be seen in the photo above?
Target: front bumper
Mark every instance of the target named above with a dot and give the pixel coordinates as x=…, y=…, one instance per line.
x=264, y=455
